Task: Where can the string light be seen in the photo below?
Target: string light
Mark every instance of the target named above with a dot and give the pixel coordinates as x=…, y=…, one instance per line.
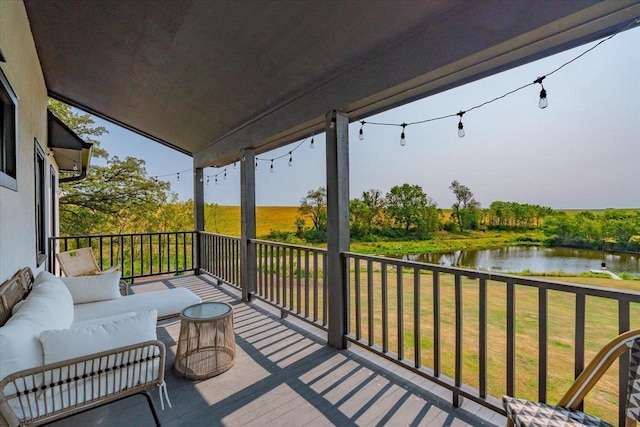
x=460, y=125
x=542, y=103
x=75, y=165
x=225, y=173
x=201, y=179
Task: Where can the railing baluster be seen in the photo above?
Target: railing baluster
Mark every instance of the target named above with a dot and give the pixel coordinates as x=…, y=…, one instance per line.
x=325, y=292
x=436, y=323
x=306, y=283
x=542, y=344
x=370, y=301
x=417, y=345
x=356, y=273
x=624, y=324
x=315, y=286
x=482, y=344
x=271, y=273
x=385, y=310
x=579, y=337
x=459, y=333
x=511, y=338
x=131, y=257
x=299, y=282
x=278, y=275
x=400, y=313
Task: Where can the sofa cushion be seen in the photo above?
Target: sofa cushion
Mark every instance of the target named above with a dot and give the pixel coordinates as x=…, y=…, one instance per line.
x=49, y=305
x=91, y=322
x=63, y=344
x=167, y=303
x=100, y=287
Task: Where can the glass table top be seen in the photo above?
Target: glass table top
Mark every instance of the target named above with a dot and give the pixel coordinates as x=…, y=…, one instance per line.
x=206, y=310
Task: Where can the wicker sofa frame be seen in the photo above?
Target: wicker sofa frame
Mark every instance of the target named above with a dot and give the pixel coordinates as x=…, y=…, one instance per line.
x=47, y=393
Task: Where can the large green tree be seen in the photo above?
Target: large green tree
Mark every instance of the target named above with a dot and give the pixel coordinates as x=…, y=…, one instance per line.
x=113, y=198
x=466, y=208
x=409, y=207
x=314, y=206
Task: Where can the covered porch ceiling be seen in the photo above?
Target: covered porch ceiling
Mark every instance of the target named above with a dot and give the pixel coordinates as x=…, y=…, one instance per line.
x=211, y=78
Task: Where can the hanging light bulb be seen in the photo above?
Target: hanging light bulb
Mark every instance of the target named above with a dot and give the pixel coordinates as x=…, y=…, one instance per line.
x=207, y=180
x=332, y=124
x=361, y=135
x=290, y=159
x=178, y=176
x=256, y=163
x=234, y=165
x=201, y=179
x=244, y=156
x=311, y=143
x=225, y=174
x=543, y=102
x=216, y=179
x=460, y=125
x=271, y=169
x=403, y=141
x=75, y=166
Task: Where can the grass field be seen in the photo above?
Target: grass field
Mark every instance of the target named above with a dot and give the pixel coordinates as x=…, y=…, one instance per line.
x=601, y=319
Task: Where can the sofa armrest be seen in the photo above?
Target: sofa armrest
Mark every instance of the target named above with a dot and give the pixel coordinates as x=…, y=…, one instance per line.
x=46, y=393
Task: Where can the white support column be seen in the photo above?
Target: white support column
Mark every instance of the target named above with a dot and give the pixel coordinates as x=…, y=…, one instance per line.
x=198, y=213
x=337, y=128
x=248, y=224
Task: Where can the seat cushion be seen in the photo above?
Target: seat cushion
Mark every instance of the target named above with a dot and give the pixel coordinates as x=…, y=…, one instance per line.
x=167, y=303
x=525, y=413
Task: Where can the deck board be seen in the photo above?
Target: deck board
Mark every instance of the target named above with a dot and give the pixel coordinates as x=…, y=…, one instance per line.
x=285, y=375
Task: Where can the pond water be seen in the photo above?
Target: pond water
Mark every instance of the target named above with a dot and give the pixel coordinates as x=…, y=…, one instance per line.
x=537, y=259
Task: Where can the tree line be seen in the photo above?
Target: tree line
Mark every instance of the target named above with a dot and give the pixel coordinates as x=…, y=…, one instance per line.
x=407, y=212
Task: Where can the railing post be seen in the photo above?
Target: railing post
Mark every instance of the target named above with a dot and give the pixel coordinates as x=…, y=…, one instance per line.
x=198, y=214
x=248, y=224
x=337, y=137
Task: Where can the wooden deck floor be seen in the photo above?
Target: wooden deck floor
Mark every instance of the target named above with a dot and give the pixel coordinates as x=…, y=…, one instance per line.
x=285, y=375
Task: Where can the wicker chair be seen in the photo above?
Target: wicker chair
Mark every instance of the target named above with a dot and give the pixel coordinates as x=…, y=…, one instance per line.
x=525, y=413
x=81, y=262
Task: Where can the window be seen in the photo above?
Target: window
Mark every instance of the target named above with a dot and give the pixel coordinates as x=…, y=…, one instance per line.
x=8, y=101
x=41, y=229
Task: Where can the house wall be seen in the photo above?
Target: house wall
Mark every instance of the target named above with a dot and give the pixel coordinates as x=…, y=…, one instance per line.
x=17, y=208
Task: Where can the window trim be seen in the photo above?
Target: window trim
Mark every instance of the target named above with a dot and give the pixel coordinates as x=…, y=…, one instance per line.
x=9, y=167
x=40, y=202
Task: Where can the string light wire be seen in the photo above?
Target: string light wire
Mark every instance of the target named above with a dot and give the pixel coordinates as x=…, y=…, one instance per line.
x=542, y=104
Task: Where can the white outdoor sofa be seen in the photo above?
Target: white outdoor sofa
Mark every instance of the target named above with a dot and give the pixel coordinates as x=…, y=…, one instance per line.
x=66, y=347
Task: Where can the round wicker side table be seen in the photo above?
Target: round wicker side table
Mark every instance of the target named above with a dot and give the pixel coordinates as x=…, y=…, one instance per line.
x=206, y=346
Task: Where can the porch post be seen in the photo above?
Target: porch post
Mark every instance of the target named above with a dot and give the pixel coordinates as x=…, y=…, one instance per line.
x=198, y=214
x=337, y=128
x=248, y=224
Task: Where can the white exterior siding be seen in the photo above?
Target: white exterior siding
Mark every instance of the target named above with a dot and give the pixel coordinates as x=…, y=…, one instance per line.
x=17, y=208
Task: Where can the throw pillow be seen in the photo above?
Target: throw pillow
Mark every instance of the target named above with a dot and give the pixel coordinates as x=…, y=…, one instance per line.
x=93, y=288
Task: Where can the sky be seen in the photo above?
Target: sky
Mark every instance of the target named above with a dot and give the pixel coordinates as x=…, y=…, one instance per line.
x=581, y=152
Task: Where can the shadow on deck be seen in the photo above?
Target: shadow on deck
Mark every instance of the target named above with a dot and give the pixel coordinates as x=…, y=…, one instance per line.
x=285, y=375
